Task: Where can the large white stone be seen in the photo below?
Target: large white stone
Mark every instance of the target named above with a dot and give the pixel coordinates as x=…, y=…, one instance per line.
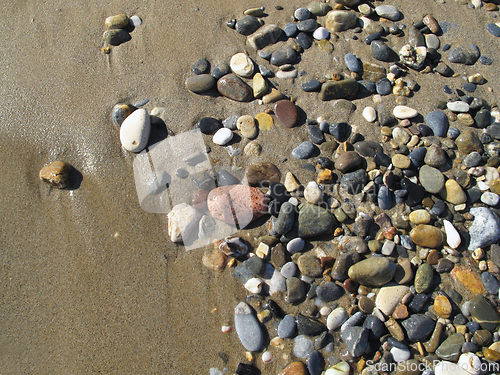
x=336, y=318
x=222, y=136
x=470, y=362
x=242, y=65
x=452, y=236
x=181, y=221
x=449, y=368
x=402, y=112
x=321, y=33
x=135, y=130
x=254, y=285
x=389, y=296
x=458, y=106
x=370, y=114
x=400, y=355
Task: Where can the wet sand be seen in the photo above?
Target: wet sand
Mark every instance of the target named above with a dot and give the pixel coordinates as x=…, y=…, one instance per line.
x=90, y=283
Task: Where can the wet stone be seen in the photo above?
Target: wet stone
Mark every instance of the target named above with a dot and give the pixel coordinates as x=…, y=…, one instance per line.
x=438, y=122
x=315, y=363
x=221, y=70
x=295, y=290
x=490, y=283
x=353, y=182
x=315, y=134
x=374, y=271
x=329, y=292
x=314, y=221
x=380, y=51
x=450, y=348
x=308, y=326
x=234, y=88
x=423, y=278
x=304, y=40
x=286, y=112
x=484, y=314
x=427, y=236
x=356, y=339
x=348, y=162
x=383, y=87
x=308, y=25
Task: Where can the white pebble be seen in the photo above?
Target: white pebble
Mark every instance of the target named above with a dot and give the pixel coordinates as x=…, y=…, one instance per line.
x=321, y=33
x=466, y=308
x=470, y=362
x=341, y=368
x=489, y=198
x=312, y=192
x=222, y=136
x=483, y=186
x=226, y=329
x=403, y=112
x=458, y=106
x=267, y=357
x=284, y=74
x=295, y=245
x=135, y=130
x=294, y=201
x=336, y=318
x=135, y=21
x=452, y=236
x=370, y=114
x=254, y=285
x=325, y=311
x=377, y=98
x=400, y=355
x=477, y=3
x=242, y=65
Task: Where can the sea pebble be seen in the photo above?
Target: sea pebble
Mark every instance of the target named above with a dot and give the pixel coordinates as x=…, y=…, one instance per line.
x=222, y=136
x=388, y=11
x=304, y=150
x=352, y=62
x=287, y=327
x=269, y=34
x=221, y=70
x=374, y=271
x=296, y=245
x=135, y=130
x=340, y=20
x=404, y=112
x=286, y=112
x=493, y=29
x=452, y=236
x=254, y=285
x=262, y=174
x=290, y=29
x=321, y=33
x=370, y=114
x=281, y=74
x=400, y=355
x=308, y=25
x=485, y=229
x=200, y=83
x=202, y=66
x=135, y=21
x=242, y=65
x=247, y=327
x=181, y=221
x=312, y=193
x=467, y=55
x=489, y=198
x=470, y=362
x=356, y=339
x=232, y=87
x=380, y=51
x=438, y=122
x=301, y=14
x=389, y=297
x=336, y=318
x=490, y=283
x=458, y=106
x=303, y=346
x=247, y=127
x=247, y=25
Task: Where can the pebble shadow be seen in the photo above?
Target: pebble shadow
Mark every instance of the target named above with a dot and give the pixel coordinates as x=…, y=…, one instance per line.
x=75, y=178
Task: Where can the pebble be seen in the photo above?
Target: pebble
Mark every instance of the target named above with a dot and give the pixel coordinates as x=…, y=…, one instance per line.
x=341, y=368
x=438, y=122
x=343, y=89
x=400, y=355
x=236, y=204
x=467, y=55
x=181, y=221
x=253, y=149
x=349, y=161
x=423, y=278
x=370, y=114
x=389, y=297
x=202, y=66
x=290, y=29
x=450, y=348
x=420, y=217
x=427, y=236
x=340, y=131
x=490, y=199
x=418, y=327
x=304, y=150
x=247, y=25
x=442, y=306
x=319, y=9
x=135, y=130
x=296, y=245
x=120, y=112
x=431, y=179
x=493, y=29
x=470, y=362
x=400, y=135
x=452, y=236
x=281, y=74
x=485, y=229
x=242, y=65
x=374, y=271
x=314, y=221
x=469, y=279
x=388, y=11
x=458, y=106
x=490, y=283
x=404, y=112
x=336, y=318
x=308, y=26
x=232, y=87
x=287, y=327
x=221, y=70
x=315, y=363
x=485, y=60
x=135, y=21
x=56, y=174
x=200, y=83
x=383, y=86
x=329, y=292
x=284, y=55
x=356, y=339
x=116, y=37
x=269, y=34
x=262, y=174
x=247, y=127
x=385, y=198
x=380, y=51
x=286, y=112
x=222, y=136
x=303, y=346
x=352, y=62
x=208, y=125
x=321, y=33
x=340, y=20
x=311, y=86
x=247, y=327
x=401, y=161
x=301, y=14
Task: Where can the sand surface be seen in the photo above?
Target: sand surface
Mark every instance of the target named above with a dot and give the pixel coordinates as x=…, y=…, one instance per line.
x=90, y=283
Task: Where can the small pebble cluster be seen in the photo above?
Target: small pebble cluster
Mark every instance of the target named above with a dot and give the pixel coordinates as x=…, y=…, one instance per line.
x=407, y=270
x=118, y=30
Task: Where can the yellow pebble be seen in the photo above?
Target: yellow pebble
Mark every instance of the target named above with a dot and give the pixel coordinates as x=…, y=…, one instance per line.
x=264, y=120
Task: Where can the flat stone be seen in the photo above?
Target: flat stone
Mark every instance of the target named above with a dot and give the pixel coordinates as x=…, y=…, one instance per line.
x=435, y=156
x=389, y=297
x=490, y=282
x=119, y=21
x=291, y=29
x=222, y=136
x=304, y=150
x=374, y=271
x=246, y=125
x=284, y=55
x=388, y=11
x=336, y=318
x=449, y=368
x=343, y=89
x=319, y=9
x=438, y=122
x=340, y=131
x=308, y=326
x=401, y=161
x=467, y=55
x=309, y=265
x=453, y=193
x=311, y=86
x=329, y=292
x=493, y=29
x=232, y=87
x=304, y=40
x=404, y=112
x=356, y=339
x=418, y=327
x=221, y=70
x=431, y=179
x=200, y=83
x=315, y=134
x=373, y=72
x=315, y=363
x=247, y=327
x=314, y=221
x=450, y=348
x=469, y=279
x=427, y=236
x=485, y=229
x=247, y=25
x=267, y=35
x=353, y=182
x=237, y=204
x=352, y=62
x=262, y=174
x=286, y=112
x=420, y=217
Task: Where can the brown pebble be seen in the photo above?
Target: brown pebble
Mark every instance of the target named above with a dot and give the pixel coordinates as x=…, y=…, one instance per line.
x=468, y=278
x=350, y=285
x=327, y=262
x=428, y=202
x=214, y=259
x=286, y=112
x=442, y=306
x=435, y=339
x=491, y=7
x=431, y=23
x=56, y=174
x=404, y=272
x=389, y=233
x=395, y=329
x=262, y=174
x=326, y=176
x=433, y=257
x=400, y=313
x=294, y=368
x=491, y=355
x=366, y=305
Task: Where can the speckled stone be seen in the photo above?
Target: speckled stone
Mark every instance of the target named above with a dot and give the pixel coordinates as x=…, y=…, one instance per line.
x=232, y=87
x=427, y=236
x=423, y=278
x=374, y=271
x=262, y=174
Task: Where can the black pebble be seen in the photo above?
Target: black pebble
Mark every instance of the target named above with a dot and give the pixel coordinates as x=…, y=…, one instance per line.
x=304, y=40
x=278, y=192
x=370, y=38
x=315, y=134
x=340, y=131
x=273, y=208
x=274, y=308
x=202, y=66
x=469, y=87
x=326, y=163
x=382, y=159
x=208, y=125
x=311, y=86
x=231, y=23
x=446, y=47
x=247, y=369
x=447, y=89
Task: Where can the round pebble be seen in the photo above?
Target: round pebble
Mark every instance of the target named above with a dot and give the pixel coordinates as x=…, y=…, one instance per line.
x=295, y=245
x=222, y=136
x=301, y=14
x=321, y=33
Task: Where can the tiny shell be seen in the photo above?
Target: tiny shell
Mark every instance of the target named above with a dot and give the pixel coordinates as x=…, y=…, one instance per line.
x=267, y=357
x=56, y=174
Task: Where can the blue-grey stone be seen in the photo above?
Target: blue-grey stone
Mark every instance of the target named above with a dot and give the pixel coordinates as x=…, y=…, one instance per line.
x=380, y=51
x=375, y=327
x=303, y=346
x=485, y=60
x=284, y=55
x=304, y=150
x=225, y=178
x=370, y=38
x=384, y=199
x=181, y=173
x=438, y=122
x=424, y=130
x=474, y=194
x=382, y=159
x=311, y=86
x=352, y=62
x=202, y=66
x=288, y=270
x=221, y=70
x=453, y=133
x=469, y=347
x=356, y=339
x=302, y=14
x=493, y=29
x=307, y=26
x=247, y=327
x=384, y=87
x=482, y=118
x=286, y=218
x=490, y=283
x=367, y=87
x=418, y=302
x=472, y=160
x=340, y=131
x=315, y=134
x=230, y=122
x=418, y=327
x=485, y=229
x=325, y=127
x=304, y=40
x=470, y=87
x=329, y=291
x=473, y=327
x=467, y=55
x=446, y=47
x=388, y=11
x=494, y=130
x=265, y=55
x=354, y=182
x=265, y=71
x=247, y=25
x=315, y=363
x=291, y=30
x=447, y=89
x=287, y=327
x=438, y=208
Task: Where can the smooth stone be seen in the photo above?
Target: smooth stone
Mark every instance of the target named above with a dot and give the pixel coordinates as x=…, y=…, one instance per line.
x=423, y=278
x=348, y=162
x=295, y=245
x=284, y=55
x=315, y=134
x=467, y=55
x=352, y=62
x=389, y=297
x=304, y=150
x=308, y=326
x=435, y=156
x=304, y=40
x=380, y=51
x=242, y=65
x=259, y=85
x=442, y=306
x=340, y=131
x=470, y=362
x=303, y=346
x=490, y=283
x=247, y=25
x=403, y=112
x=385, y=199
x=181, y=221
x=438, y=122
x=373, y=72
x=294, y=368
x=314, y=221
x=418, y=327
x=420, y=217
x=291, y=29
x=295, y=290
x=432, y=42
x=452, y=236
x=336, y=318
x=383, y=87
x=374, y=271
x=311, y=86
x=458, y=106
x=202, y=66
x=388, y=11
x=286, y=219
x=356, y=339
x=288, y=270
x=415, y=37
x=247, y=327
x=56, y=174
x=400, y=135
x=400, y=355
x=469, y=279
x=319, y=9
x=490, y=199
x=340, y=20
x=427, y=236
x=485, y=229
x=120, y=112
x=222, y=136
x=370, y=114
x=120, y=21
x=232, y=87
x=343, y=89
x=200, y=83
x=221, y=70
x=453, y=193
x=286, y=112
x=301, y=14
x=264, y=120
x=366, y=88
x=237, y=204
x=401, y=161
x=265, y=71
x=287, y=327
x=267, y=35
x=247, y=127
x=116, y=37
x=493, y=29
x=329, y=292
x=494, y=130
x=230, y=122
x=321, y=33
x=208, y=125
x=308, y=25
x=484, y=314
x=353, y=182
x=135, y=131
x=468, y=142
x=451, y=347
x=262, y=174
x=225, y=178
x=431, y=179
x=315, y=363
x=485, y=60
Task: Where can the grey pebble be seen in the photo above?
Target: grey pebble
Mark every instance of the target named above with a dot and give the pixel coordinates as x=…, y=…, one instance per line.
x=287, y=327
x=304, y=150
